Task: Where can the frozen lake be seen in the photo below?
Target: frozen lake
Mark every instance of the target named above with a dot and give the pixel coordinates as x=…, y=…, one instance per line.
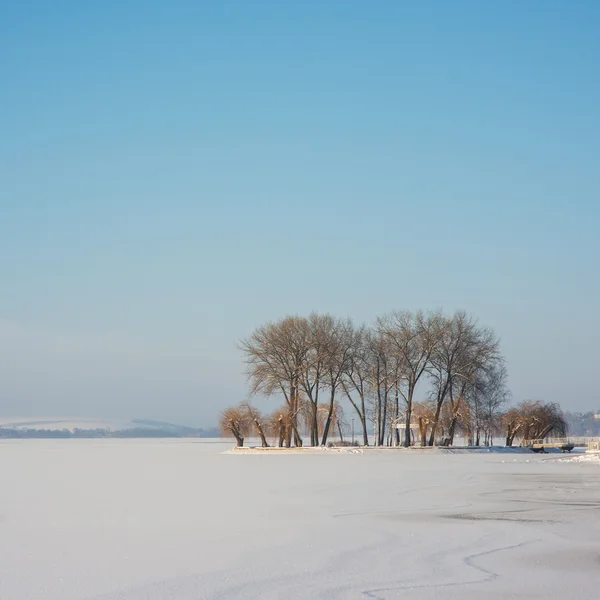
x=180, y=520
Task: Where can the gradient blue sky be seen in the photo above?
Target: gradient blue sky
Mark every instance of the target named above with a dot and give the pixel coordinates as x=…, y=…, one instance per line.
x=173, y=174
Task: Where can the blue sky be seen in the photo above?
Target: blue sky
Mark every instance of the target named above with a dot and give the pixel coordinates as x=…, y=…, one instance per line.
x=173, y=174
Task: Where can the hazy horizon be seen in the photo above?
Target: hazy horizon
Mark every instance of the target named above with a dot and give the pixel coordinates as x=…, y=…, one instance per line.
x=174, y=176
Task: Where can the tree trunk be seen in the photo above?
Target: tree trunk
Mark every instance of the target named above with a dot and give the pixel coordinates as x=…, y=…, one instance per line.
x=314, y=434
x=378, y=416
x=236, y=433
x=281, y=432
x=329, y=415
x=261, y=433
x=360, y=412
x=438, y=411
x=396, y=431
x=511, y=432
x=434, y=425
x=314, y=430
x=451, y=430
x=375, y=431
x=292, y=408
x=455, y=410
x=409, y=399
x=297, y=436
x=407, y=419
x=383, y=423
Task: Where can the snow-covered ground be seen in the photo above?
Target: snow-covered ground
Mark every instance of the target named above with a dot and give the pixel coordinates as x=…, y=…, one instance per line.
x=181, y=520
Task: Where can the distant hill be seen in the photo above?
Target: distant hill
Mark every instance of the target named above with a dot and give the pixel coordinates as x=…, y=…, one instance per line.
x=50, y=427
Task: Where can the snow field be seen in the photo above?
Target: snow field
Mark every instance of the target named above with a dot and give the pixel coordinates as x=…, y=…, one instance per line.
x=182, y=520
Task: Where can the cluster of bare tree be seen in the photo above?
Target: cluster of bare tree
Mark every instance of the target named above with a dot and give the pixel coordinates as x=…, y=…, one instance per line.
x=277, y=428
x=534, y=420
x=316, y=362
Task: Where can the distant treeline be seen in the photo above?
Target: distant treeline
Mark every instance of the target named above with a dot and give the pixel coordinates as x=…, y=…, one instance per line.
x=104, y=433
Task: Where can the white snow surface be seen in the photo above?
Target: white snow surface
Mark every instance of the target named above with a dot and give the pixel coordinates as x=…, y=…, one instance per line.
x=588, y=457
x=182, y=520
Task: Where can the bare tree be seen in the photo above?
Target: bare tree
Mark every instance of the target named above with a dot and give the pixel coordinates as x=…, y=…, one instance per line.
x=413, y=337
x=464, y=350
x=445, y=359
x=279, y=425
x=479, y=356
x=234, y=421
x=534, y=420
x=425, y=415
x=540, y=419
x=339, y=349
x=355, y=379
x=487, y=397
x=384, y=373
x=513, y=422
x=320, y=330
x=276, y=356
x=336, y=417
x=257, y=420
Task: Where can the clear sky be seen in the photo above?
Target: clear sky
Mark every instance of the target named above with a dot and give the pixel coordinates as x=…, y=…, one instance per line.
x=173, y=174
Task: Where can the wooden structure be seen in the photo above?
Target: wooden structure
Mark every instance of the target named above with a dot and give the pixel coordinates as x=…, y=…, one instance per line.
x=593, y=446
x=562, y=444
x=400, y=424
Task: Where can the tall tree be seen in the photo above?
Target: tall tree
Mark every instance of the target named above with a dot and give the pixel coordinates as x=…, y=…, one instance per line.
x=355, y=379
x=444, y=362
x=463, y=349
x=383, y=378
x=478, y=353
x=276, y=356
x=413, y=337
x=320, y=329
x=487, y=398
x=339, y=349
